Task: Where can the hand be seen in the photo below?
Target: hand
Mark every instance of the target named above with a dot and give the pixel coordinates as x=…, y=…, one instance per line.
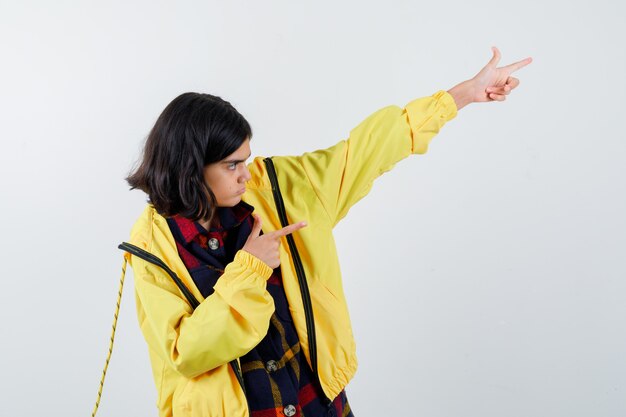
x=493, y=83
x=490, y=84
x=266, y=247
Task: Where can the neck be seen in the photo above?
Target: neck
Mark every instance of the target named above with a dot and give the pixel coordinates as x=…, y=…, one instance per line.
x=206, y=223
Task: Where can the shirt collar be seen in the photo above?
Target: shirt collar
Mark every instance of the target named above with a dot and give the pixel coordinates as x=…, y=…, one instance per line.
x=226, y=218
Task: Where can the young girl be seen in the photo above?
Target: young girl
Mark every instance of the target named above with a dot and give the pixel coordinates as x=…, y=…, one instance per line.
x=238, y=288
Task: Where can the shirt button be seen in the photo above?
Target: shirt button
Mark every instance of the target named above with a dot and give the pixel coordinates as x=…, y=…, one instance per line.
x=290, y=410
x=271, y=366
x=214, y=243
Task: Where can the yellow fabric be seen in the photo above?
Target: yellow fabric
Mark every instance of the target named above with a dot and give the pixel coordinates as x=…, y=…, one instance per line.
x=190, y=350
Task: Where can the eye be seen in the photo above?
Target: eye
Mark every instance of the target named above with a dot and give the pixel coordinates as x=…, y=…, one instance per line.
x=232, y=166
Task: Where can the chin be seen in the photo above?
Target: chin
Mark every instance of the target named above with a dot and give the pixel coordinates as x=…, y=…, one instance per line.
x=231, y=203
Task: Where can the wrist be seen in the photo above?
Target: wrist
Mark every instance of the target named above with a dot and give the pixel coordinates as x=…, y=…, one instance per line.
x=462, y=94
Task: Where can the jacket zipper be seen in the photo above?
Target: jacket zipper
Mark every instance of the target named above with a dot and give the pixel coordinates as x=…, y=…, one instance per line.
x=149, y=257
x=304, y=287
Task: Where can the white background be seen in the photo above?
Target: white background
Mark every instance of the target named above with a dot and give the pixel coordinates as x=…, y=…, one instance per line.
x=484, y=278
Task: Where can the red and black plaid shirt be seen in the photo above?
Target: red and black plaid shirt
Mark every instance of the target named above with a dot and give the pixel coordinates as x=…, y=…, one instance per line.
x=278, y=379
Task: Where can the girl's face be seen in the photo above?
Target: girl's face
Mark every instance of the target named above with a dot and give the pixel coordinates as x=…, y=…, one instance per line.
x=227, y=178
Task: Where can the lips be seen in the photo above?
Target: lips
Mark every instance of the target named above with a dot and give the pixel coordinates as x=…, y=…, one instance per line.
x=243, y=190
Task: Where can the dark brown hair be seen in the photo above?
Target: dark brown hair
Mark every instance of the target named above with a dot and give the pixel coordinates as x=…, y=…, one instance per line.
x=193, y=131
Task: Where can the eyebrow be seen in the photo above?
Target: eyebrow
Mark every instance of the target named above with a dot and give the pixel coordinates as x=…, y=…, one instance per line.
x=236, y=161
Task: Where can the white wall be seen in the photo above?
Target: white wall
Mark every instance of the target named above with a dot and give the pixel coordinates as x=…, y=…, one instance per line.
x=485, y=278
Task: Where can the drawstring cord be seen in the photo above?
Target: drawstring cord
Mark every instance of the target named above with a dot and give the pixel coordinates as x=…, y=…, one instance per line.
x=106, y=363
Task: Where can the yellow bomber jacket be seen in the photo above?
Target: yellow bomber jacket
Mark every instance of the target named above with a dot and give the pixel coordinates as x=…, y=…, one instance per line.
x=189, y=349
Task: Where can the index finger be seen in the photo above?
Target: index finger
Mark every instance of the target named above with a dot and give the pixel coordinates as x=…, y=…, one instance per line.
x=517, y=65
x=290, y=229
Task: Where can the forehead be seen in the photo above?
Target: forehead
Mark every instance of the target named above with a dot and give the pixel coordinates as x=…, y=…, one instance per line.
x=242, y=153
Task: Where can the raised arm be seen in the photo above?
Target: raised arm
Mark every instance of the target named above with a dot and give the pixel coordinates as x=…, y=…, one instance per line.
x=344, y=173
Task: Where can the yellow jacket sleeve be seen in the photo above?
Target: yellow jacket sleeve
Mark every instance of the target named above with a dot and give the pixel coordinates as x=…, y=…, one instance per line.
x=344, y=173
x=226, y=325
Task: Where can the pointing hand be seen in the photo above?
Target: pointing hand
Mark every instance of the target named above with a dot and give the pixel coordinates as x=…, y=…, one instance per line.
x=493, y=83
x=266, y=247
x=490, y=84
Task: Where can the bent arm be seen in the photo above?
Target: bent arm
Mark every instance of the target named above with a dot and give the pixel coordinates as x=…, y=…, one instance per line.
x=226, y=325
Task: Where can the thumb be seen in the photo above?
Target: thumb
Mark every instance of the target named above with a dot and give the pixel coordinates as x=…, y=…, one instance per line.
x=496, y=57
x=256, y=227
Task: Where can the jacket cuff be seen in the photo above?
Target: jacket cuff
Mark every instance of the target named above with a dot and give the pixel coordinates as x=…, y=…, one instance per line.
x=427, y=116
x=244, y=272
x=447, y=105
x=248, y=260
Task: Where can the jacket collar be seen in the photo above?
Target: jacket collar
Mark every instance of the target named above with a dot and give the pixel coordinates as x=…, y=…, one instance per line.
x=225, y=218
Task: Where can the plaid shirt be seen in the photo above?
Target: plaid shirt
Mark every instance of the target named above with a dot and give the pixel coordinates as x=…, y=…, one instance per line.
x=278, y=379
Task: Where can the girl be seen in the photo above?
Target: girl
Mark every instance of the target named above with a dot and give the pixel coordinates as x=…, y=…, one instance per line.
x=238, y=287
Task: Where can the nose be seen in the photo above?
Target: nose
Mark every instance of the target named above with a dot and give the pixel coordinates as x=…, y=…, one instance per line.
x=245, y=175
